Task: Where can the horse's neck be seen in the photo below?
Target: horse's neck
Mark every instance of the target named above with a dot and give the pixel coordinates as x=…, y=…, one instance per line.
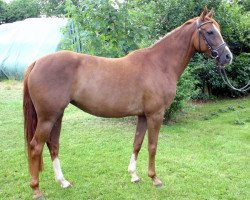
x=173, y=52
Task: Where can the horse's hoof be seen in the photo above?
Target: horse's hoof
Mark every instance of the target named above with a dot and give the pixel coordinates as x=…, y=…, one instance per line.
x=38, y=197
x=157, y=183
x=135, y=180
x=65, y=184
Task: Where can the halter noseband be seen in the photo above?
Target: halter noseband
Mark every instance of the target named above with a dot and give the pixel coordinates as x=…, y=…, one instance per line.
x=214, y=51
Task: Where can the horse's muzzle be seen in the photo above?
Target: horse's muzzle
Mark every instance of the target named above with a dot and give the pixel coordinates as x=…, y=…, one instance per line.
x=225, y=58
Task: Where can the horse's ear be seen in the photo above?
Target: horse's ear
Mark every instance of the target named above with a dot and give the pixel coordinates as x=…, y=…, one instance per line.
x=203, y=14
x=211, y=13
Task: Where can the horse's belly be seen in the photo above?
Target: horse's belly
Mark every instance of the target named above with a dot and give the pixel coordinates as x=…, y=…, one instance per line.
x=108, y=105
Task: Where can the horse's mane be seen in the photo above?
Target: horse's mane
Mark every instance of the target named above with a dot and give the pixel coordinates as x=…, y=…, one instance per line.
x=190, y=21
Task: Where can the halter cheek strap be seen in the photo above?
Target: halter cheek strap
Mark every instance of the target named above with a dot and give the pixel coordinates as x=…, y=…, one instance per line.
x=199, y=30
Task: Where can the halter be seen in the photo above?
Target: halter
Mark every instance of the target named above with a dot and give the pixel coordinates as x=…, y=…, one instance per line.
x=215, y=55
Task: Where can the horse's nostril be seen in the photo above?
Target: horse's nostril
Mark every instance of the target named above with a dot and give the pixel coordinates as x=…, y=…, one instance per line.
x=228, y=57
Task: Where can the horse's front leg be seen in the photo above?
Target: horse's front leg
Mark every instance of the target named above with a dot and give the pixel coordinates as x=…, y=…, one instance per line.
x=154, y=123
x=141, y=129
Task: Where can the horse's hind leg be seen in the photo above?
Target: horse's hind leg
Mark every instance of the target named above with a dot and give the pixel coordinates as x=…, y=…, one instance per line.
x=53, y=145
x=36, y=147
x=141, y=129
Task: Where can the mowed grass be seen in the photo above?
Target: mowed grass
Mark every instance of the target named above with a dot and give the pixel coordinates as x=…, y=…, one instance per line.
x=206, y=155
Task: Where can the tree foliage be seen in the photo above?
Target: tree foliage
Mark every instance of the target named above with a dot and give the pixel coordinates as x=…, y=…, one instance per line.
x=51, y=7
x=19, y=10
x=103, y=27
x=245, y=5
x=2, y=11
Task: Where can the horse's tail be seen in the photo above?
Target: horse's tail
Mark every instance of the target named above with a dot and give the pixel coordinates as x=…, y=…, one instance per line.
x=30, y=116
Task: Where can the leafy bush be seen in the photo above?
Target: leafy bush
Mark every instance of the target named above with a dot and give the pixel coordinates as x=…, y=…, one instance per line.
x=103, y=28
x=245, y=5
x=235, y=27
x=173, y=13
x=19, y=10
x=2, y=11
x=210, y=83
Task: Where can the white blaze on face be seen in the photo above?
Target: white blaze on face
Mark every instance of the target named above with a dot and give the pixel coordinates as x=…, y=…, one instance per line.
x=132, y=169
x=217, y=30
x=222, y=41
x=58, y=173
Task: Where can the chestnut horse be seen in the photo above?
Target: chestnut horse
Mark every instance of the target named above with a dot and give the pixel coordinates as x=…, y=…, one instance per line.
x=142, y=84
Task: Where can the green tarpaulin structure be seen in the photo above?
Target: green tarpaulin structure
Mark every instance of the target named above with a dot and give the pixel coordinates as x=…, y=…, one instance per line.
x=23, y=42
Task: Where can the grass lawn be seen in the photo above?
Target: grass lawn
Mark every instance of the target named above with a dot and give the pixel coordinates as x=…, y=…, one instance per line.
x=206, y=155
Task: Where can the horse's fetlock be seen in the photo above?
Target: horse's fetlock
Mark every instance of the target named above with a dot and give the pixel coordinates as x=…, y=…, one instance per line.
x=34, y=184
x=151, y=174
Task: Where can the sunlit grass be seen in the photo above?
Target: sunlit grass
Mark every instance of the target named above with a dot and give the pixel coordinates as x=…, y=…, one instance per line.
x=206, y=155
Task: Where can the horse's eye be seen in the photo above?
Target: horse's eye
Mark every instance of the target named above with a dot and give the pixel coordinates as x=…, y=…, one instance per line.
x=210, y=32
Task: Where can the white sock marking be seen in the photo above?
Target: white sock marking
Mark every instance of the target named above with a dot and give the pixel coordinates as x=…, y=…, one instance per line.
x=132, y=169
x=58, y=173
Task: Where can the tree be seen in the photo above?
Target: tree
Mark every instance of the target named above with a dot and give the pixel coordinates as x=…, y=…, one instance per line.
x=103, y=27
x=2, y=11
x=245, y=4
x=52, y=7
x=19, y=10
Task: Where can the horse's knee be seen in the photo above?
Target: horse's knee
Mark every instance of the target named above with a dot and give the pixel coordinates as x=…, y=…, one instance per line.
x=152, y=149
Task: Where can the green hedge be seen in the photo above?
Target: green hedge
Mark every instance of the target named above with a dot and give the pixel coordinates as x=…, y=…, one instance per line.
x=210, y=83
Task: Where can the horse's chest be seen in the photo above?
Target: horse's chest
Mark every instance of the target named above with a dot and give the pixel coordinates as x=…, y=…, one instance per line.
x=169, y=92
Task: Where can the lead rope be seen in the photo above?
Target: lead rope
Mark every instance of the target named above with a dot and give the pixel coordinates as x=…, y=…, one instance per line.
x=223, y=74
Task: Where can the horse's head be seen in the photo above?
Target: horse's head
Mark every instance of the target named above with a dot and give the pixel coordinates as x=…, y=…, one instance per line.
x=208, y=39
